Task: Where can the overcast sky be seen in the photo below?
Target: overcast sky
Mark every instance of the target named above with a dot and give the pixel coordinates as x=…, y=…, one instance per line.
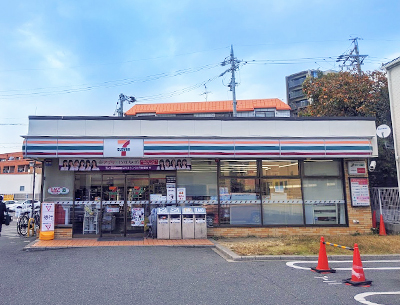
x=76, y=57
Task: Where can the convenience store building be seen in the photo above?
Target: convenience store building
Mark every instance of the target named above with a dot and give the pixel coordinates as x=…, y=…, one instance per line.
x=255, y=176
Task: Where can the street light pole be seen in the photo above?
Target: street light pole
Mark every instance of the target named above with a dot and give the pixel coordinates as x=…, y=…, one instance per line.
x=33, y=164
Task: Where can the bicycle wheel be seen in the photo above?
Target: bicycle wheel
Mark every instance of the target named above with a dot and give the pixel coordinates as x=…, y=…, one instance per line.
x=37, y=222
x=22, y=226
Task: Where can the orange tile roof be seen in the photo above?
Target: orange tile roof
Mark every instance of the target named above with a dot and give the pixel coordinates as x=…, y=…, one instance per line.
x=204, y=107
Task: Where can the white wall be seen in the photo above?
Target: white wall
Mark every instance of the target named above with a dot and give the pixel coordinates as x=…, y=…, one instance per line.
x=393, y=70
x=10, y=184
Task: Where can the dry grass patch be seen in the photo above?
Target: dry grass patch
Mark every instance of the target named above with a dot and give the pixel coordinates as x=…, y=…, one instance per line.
x=309, y=245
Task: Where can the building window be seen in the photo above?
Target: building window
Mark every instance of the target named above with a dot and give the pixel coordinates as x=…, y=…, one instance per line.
x=323, y=192
x=239, y=168
x=282, y=201
x=21, y=168
x=240, y=204
x=22, y=188
x=201, y=186
x=280, y=168
x=281, y=192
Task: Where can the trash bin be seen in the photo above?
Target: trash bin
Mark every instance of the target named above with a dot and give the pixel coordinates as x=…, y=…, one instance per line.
x=187, y=223
x=175, y=222
x=200, y=224
x=162, y=223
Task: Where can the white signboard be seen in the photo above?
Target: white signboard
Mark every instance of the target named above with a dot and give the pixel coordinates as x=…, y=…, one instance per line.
x=357, y=167
x=359, y=192
x=123, y=148
x=171, y=194
x=47, y=216
x=181, y=193
x=58, y=190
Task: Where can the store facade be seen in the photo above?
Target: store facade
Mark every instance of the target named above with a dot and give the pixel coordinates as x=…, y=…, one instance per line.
x=254, y=176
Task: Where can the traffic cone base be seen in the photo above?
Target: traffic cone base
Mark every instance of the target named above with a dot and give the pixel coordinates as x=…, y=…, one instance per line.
x=353, y=283
x=322, y=266
x=323, y=271
x=357, y=272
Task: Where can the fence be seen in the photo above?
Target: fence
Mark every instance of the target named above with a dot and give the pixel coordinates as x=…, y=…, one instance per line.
x=387, y=199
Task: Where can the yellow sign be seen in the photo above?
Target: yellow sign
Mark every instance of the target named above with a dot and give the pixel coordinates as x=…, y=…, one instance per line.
x=8, y=197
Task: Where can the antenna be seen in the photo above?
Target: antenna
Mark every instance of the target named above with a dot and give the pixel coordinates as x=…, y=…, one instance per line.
x=122, y=99
x=205, y=92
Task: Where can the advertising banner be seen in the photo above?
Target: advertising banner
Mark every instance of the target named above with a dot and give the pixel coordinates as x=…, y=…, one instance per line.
x=359, y=192
x=137, y=217
x=105, y=164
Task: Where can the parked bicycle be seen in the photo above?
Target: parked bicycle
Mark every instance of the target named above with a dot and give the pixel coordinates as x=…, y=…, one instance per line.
x=23, y=222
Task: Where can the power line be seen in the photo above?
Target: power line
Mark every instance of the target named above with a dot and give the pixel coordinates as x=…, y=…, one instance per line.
x=107, y=84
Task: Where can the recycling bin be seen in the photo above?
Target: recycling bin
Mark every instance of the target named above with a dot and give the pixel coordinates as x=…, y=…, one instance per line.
x=200, y=224
x=162, y=223
x=187, y=223
x=175, y=222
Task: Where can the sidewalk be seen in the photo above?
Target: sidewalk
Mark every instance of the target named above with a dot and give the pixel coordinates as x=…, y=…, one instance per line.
x=92, y=242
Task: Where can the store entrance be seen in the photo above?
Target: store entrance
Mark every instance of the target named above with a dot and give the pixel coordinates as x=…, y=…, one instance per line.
x=116, y=204
x=124, y=200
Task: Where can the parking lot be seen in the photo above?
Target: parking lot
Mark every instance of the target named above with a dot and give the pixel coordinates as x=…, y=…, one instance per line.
x=179, y=275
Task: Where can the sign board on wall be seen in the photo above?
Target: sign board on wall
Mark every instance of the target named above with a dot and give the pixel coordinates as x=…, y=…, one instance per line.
x=357, y=167
x=58, y=190
x=108, y=164
x=123, y=148
x=359, y=192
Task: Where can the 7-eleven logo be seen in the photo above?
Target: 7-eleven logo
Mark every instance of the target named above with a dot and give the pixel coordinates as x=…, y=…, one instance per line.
x=124, y=147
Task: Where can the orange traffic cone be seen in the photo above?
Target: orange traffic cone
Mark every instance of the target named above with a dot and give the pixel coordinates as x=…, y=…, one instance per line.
x=374, y=219
x=322, y=266
x=382, y=230
x=357, y=273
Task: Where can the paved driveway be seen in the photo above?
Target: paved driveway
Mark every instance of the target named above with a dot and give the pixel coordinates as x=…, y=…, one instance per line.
x=167, y=275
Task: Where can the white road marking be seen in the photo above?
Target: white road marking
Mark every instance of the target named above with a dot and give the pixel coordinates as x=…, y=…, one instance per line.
x=293, y=265
x=361, y=297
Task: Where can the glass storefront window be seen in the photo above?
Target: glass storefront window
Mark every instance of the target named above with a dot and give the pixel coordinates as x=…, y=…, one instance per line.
x=282, y=201
x=322, y=168
x=240, y=202
x=201, y=181
x=280, y=168
x=86, y=211
x=201, y=186
x=324, y=201
x=239, y=168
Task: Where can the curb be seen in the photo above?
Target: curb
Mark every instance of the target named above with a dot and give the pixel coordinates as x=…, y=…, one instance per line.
x=232, y=256
x=30, y=247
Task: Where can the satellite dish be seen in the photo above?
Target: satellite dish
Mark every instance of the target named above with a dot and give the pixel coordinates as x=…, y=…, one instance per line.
x=383, y=131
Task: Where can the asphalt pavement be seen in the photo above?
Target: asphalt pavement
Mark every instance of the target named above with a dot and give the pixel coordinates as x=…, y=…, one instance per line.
x=169, y=275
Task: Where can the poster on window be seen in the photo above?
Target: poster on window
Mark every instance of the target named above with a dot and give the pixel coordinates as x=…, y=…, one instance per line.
x=181, y=193
x=359, y=192
x=137, y=217
x=104, y=164
x=171, y=194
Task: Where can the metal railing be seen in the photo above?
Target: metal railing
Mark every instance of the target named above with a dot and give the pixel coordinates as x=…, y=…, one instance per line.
x=387, y=202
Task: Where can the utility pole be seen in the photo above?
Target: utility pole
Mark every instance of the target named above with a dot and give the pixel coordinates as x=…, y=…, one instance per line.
x=122, y=99
x=353, y=59
x=234, y=66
